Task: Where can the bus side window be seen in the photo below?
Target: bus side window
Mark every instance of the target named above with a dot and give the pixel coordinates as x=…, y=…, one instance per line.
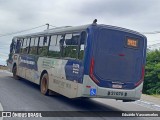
x=71, y=45
x=43, y=46
x=28, y=42
x=12, y=49
x=82, y=45
x=59, y=44
x=33, y=45
x=53, y=47
x=13, y=45
x=18, y=46
x=21, y=51
x=26, y=45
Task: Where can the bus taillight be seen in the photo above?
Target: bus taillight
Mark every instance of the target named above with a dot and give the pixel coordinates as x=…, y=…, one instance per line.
x=91, y=71
x=142, y=77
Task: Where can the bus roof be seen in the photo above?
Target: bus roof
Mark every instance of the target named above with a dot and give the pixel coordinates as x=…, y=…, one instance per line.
x=67, y=29
x=56, y=30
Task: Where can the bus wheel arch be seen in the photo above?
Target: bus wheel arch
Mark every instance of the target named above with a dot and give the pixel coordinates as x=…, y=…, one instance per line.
x=44, y=82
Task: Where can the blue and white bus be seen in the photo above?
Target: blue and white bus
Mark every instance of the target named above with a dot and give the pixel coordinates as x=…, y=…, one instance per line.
x=93, y=60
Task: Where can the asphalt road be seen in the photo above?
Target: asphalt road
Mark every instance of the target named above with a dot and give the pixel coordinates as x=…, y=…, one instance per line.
x=22, y=95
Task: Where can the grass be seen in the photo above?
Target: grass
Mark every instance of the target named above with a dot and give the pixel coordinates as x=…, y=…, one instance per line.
x=157, y=96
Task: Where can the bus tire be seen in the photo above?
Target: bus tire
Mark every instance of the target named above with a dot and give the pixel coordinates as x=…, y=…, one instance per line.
x=44, y=84
x=14, y=71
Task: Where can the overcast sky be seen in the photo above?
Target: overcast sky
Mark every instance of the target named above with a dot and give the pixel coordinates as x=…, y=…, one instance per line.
x=16, y=15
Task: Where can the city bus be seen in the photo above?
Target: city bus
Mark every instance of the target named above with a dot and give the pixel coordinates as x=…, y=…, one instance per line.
x=87, y=61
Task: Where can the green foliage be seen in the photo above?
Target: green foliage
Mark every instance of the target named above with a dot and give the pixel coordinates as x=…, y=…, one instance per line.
x=152, y=73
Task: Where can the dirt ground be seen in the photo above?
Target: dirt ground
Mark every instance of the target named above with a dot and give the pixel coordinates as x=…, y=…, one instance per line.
x=3, y=67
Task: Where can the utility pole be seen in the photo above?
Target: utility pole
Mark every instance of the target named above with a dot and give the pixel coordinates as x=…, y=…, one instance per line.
x=47, y=26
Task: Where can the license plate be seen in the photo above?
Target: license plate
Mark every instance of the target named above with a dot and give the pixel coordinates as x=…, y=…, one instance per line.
x=116, y=86
x=116, y=93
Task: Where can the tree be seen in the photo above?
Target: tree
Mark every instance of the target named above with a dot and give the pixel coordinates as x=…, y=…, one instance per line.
x=152, y=73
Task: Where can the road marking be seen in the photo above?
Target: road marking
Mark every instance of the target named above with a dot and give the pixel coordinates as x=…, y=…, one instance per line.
x=148, y=104
x=1, y=109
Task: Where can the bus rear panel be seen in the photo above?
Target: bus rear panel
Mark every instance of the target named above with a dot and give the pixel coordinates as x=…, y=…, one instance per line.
x=116, y=64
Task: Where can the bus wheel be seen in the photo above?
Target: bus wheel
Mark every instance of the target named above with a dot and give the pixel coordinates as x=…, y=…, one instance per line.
x=15, y=76
x=44, y=84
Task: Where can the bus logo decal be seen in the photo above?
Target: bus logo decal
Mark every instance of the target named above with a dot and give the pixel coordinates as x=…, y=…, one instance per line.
x=28, y=62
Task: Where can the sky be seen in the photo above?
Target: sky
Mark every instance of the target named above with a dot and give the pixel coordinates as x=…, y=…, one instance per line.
x=16, y=15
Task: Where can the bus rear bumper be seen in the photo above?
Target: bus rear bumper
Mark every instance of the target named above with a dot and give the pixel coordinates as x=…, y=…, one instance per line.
x=93, y=91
